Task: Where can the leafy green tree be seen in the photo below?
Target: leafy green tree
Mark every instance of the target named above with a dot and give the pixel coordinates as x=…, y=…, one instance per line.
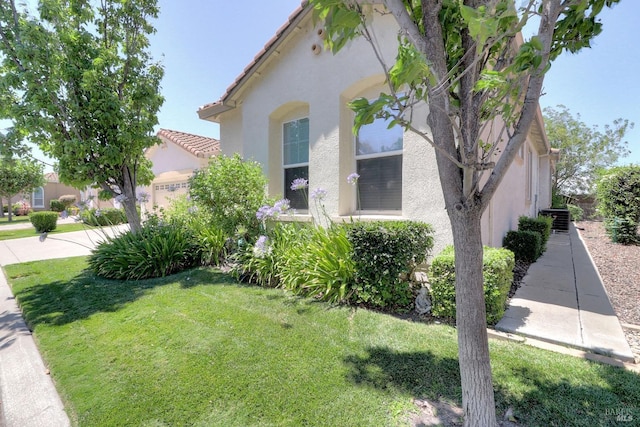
x=584, y=150
x=465, y=61
x=77, y=79
x=18, y=176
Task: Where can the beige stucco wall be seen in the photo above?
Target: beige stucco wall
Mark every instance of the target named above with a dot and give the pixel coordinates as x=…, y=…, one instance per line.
x=298, y=83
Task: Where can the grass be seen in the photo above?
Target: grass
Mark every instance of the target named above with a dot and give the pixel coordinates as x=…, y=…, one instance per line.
x=31, y=232
x=199, y=349
x=14, y=219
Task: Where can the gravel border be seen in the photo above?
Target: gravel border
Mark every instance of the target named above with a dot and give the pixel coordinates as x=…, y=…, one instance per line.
x=619, y=267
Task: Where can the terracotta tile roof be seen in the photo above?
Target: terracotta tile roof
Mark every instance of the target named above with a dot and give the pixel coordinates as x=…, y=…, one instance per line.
x=51, y=177
x=199, y=146
x=272, y=44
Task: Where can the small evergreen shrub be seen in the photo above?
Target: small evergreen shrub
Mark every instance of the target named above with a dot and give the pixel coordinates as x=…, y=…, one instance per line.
x=56, y=205
x=541, y=224
x=526, y=245
x=157, y=250
x=497, y=271
x=622, y=230
x=576, y=212
x=385, y=254
x=103, y=217
x=44, y=221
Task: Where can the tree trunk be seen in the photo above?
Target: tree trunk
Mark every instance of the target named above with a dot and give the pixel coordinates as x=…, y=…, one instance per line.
x=131, y=211
x=10, y=209
x=129, y=191
x=1, y=208
x=478, y=400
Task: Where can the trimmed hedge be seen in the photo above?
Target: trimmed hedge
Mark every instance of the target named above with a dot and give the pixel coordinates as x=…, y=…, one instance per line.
x=103, y=217
x=497, y=271
x=541, y=224
x=56, y=205
x=385, y=254
x=526, y=245
x=44, y=221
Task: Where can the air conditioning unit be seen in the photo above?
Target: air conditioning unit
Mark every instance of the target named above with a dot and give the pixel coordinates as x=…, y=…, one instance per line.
x=561, y=218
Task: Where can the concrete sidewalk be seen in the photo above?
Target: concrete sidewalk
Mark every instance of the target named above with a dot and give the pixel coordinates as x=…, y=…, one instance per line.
x=28, y=397
x=563, y=301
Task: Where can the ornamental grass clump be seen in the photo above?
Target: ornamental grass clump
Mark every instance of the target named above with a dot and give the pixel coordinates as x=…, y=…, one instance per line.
x=157, y=250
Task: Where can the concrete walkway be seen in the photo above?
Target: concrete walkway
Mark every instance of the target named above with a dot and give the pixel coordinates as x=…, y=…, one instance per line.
x=563, y=301
x=28, y=397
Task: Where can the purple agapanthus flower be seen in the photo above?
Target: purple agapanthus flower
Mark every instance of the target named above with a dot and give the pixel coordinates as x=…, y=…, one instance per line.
x=318, y=194
x=264, y=212
x=353, y=178
x=282, y=206
x=262, y=247
x=299, y=184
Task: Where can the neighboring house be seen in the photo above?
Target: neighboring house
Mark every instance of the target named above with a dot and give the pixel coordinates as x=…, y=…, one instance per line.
x=174, y=161
x=288, y=110
x=52, y=190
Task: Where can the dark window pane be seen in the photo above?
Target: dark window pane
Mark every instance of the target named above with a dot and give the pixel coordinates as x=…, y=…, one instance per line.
x=297, y=198
x=380, y=183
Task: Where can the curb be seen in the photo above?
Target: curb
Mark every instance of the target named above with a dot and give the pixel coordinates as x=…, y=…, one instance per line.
x=569, y=351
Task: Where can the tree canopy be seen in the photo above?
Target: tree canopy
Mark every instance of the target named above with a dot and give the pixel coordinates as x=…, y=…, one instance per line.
x=584, y=150
x=466, y=60
x=77, y=79
x=18, y=176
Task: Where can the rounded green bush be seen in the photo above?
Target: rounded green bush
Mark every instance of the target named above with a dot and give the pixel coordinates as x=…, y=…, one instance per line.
x=103, y=217
x=44, y=221
x=56, y=205
x=155, y=251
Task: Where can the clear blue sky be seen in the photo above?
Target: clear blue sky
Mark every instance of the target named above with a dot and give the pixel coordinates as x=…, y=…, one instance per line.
x=205, y=44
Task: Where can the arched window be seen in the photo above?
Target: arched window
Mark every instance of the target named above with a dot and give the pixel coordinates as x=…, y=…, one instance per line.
x=38, y=198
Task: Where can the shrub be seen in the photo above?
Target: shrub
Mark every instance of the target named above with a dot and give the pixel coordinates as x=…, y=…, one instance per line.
x=210, y=238
x=618, y=194
x=622, y=230
x=103, y=217
x=155, y=251
x=21, y=209
x=497, y=271
x=44, y=221
x=385, y=254
x=526, y=245
x=68, y=200
x=541, y=224
x=56, y=205
x=232, y=190
x=576, y=212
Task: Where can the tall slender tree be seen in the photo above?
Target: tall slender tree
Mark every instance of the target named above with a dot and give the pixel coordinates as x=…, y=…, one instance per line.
x=77, y=79
x=464, y=59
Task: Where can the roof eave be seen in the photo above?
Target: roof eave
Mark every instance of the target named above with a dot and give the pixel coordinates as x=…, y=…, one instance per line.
x=212, y=111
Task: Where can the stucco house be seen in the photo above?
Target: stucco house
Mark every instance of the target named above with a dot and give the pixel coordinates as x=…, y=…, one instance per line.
x=288, y=110
x=174, y=160
x=52, y=190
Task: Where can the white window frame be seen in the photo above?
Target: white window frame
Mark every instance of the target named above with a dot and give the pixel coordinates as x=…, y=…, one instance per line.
x=33, y=198
x=359, y=157
x=285, y=166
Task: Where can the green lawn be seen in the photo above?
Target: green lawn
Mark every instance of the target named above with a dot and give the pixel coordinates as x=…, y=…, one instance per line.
x=31, y=232
x=14, y=220
x=199, y=349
